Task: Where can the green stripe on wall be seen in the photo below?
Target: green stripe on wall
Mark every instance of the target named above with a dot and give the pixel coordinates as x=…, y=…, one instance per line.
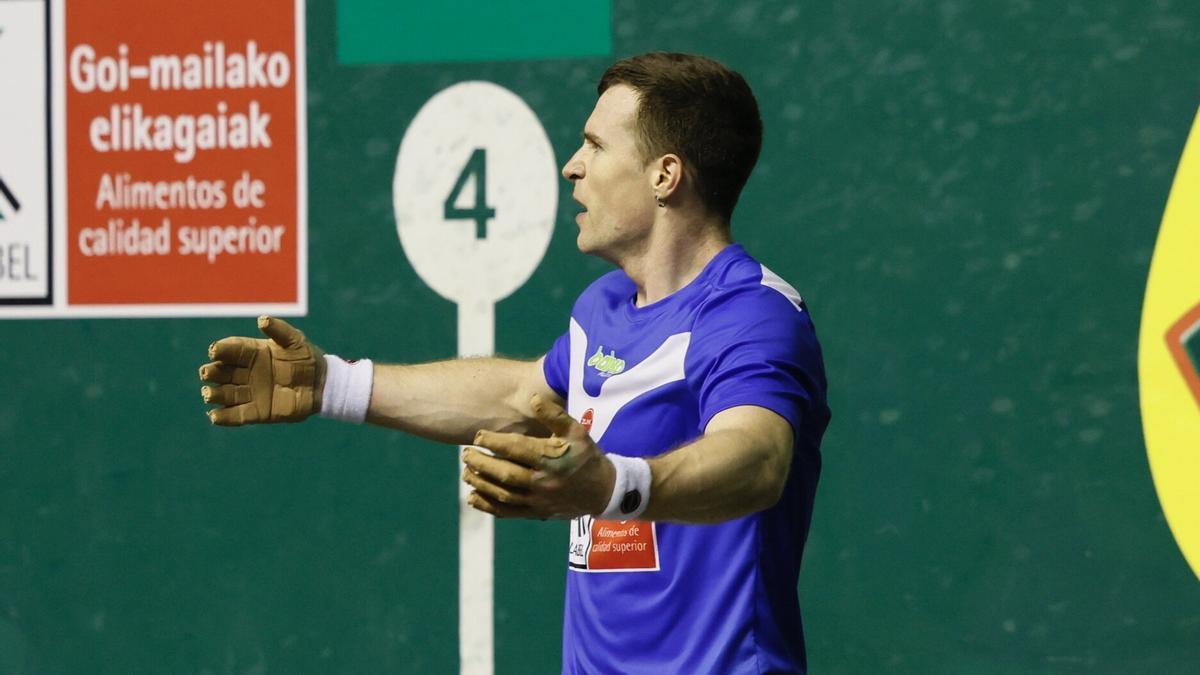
x=377, y=31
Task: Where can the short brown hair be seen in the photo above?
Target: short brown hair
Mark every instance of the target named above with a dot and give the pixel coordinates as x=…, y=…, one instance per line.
x=700, y=110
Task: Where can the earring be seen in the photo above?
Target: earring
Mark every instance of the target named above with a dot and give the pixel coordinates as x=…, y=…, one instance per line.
x=659, y=199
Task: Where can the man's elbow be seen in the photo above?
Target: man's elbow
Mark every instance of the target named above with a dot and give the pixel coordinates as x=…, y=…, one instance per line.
x=773, y=478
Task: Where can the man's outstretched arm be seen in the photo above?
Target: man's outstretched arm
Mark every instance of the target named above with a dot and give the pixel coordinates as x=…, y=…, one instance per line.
x=449, y=401
x=284, y=378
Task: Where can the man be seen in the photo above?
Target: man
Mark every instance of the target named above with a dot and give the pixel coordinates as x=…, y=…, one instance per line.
x=688, y=455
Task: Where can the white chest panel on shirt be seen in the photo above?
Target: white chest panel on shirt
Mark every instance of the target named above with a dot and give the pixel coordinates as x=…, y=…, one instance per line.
x=662, y=367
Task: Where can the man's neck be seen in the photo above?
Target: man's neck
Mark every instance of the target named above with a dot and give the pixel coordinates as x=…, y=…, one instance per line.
x=672, y=258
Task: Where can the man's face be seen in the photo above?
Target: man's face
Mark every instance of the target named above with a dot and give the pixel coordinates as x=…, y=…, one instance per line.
x=611, y=182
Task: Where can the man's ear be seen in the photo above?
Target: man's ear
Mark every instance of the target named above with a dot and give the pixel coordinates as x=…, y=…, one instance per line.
x=667, y=176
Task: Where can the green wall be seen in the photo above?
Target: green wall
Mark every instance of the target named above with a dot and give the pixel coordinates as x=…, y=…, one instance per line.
x=967, y=194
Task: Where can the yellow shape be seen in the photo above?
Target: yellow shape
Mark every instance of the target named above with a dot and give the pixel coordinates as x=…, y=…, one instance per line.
x=1170, y=406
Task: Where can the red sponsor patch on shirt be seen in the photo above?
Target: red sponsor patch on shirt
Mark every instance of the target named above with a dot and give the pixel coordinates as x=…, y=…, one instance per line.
x=613, y=545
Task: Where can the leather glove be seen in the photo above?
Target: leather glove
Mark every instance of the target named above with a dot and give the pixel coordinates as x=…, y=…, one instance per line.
x=257, y=381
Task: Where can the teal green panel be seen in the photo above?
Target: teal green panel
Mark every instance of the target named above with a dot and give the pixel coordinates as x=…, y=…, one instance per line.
x=378, y=31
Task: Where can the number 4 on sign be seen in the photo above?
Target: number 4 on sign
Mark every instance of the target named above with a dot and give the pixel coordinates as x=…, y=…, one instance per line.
x=475, y=168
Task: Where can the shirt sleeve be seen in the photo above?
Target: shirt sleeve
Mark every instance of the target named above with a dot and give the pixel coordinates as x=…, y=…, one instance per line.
x=761, y=351
x=556, y=365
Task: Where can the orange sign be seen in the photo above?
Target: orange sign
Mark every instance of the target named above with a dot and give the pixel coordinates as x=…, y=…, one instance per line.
x=613, y=545
x=622, y=545
x=184, y=135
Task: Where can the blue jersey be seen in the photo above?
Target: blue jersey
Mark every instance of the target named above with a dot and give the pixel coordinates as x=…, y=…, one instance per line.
x=650, y=597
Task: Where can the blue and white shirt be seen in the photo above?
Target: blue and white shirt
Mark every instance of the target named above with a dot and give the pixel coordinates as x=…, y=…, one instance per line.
x=648, y=597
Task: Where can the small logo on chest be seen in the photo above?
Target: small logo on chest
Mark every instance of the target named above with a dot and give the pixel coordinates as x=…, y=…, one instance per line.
x=607, y=364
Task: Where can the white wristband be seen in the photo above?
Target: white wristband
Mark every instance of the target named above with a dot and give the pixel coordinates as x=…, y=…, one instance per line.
x=631, y=490
x=347, y=391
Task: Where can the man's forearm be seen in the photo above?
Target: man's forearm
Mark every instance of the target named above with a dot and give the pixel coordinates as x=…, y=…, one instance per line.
x=449, y=401
x=739, y=466
x=727, y=473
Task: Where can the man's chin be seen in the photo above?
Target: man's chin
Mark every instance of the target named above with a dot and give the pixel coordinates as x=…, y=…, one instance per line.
x=584, y=243
x=594, y=249
x=587, y=245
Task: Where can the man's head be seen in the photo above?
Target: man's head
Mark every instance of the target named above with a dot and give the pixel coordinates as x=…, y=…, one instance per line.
x=701, y=111
x=674, y=126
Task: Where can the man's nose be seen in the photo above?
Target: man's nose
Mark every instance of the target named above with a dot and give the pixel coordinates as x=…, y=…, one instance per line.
x=573, y=169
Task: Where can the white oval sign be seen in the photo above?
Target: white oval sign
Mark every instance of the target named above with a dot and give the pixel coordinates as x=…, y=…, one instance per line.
x=475, y=192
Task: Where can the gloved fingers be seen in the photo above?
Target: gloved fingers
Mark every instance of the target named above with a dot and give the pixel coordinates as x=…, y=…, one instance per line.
x=481, y=503
x=497, y=493
x=496, y=470
x=234, y=416
x=234, y=351
x=556, y=419
x=283, y=333
x=223, y=373
x=226, y=394
x=517, y=447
